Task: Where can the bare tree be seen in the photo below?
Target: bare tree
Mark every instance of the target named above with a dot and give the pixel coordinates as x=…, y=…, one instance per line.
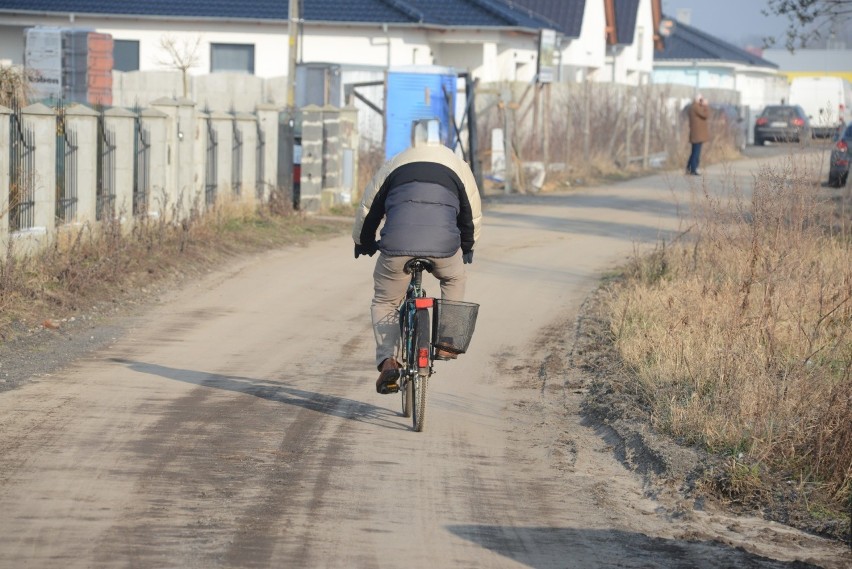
x=183, y=55
x=809, y=19
x=14, y=85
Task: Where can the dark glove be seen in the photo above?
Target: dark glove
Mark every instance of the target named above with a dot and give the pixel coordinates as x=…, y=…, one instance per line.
x=368, y=250
x=467, y=258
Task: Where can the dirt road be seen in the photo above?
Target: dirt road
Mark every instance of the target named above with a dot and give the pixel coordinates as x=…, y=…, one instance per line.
x=237, y=425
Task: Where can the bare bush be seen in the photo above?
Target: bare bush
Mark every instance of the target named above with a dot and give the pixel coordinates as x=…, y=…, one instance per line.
x=592, y=130
x=370, y=159
x=15, y=87
x=741, y=339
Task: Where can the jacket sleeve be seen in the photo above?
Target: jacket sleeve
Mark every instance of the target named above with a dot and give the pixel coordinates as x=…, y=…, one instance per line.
x=470, y=217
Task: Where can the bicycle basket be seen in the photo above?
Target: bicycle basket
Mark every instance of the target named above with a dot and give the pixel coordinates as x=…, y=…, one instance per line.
x=454, y=323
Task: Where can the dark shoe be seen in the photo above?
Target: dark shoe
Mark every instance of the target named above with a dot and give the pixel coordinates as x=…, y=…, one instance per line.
x=388, y=381
x=445, y=354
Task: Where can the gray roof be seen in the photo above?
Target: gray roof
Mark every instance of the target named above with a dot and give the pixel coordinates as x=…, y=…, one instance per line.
x=691, y=44
x=626, y=14
x=476, y=13
x=252, y=9
x=566, y=15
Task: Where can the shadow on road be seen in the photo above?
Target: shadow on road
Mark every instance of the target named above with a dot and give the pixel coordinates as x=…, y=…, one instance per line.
x=271, y=391
x=545, y=547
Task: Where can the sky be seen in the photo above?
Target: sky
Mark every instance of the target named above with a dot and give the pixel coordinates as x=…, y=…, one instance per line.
x=739, y=22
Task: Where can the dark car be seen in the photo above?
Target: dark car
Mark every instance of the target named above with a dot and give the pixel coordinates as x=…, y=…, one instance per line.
x=841, y=153
x=782, y=123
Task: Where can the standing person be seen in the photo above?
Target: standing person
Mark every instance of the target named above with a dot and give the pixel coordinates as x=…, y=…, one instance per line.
x=431, y=208
x=699, y=133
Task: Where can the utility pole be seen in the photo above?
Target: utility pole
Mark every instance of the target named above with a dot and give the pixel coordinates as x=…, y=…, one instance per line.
x=287, y=126
x=292, y=53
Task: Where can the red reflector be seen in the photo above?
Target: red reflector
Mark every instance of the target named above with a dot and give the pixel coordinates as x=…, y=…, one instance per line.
x=423, y=357
x=842, y=163
x=798, y=122
x=762, y=121
x=423, y=302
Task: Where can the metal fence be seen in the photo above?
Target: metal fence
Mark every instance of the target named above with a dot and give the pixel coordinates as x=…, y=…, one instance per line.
x=22, y=172
x=77, y=166
x=237, y=159
x=260, y=161
x=66, y=169
x=141, y=167
x=105, y=188
x=210, y=167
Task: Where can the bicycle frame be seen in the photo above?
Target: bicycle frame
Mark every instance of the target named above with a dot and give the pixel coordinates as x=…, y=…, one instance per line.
x=416, y=365
x=415, y=358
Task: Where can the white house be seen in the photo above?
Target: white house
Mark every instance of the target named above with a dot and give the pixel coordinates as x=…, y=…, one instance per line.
x=494, y=40
x=228, y=55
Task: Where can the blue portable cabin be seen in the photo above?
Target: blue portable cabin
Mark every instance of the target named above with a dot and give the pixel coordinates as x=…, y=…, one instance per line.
x=418, y=92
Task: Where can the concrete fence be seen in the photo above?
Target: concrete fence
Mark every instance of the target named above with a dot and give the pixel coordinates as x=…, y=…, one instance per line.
x=62, y=168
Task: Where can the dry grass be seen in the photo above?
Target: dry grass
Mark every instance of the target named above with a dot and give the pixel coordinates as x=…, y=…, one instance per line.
x=741, y=338
x=85, y=265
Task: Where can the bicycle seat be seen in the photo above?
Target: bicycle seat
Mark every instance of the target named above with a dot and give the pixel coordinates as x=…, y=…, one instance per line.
x=418, y=263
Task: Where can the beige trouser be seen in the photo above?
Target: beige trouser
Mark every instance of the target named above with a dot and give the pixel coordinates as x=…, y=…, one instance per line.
x=390, y=286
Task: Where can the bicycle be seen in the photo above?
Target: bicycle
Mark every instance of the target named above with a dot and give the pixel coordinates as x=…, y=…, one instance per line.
x=429, y=327
x=416, y=353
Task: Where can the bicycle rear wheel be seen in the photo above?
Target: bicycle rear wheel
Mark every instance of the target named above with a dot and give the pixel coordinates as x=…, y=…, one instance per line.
x=420, y=380
x=419, y=390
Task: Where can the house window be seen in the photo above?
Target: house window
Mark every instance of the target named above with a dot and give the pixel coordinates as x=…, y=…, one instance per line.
x=125, y=55
x=232, y=57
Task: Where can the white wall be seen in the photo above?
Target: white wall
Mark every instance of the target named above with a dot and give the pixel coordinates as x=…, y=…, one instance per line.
x=464, y=56
x=270, y=39
x=362, y=45
x=589, y=50
x=702, y=75
x=758, y=88
x=270, y=45
x=490, y=55
x=12, y=44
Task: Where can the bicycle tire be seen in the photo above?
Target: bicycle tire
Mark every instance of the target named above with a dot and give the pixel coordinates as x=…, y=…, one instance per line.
x=407, y=397
x=405, y=388
x=420, y=379
x=419, y=389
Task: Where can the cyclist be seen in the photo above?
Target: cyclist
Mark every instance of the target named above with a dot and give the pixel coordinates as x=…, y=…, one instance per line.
x=429, y=201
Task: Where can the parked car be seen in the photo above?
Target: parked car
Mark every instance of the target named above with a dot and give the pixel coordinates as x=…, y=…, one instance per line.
x=841, y=153
x=782, y=123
